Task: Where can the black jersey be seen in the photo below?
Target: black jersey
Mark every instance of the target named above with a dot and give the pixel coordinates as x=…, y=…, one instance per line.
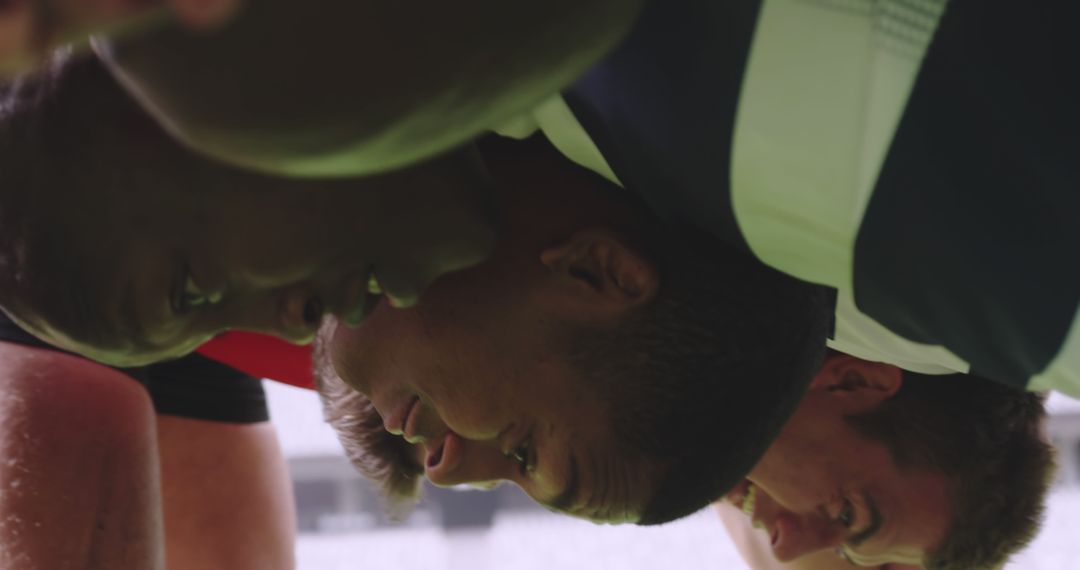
x=919, y=156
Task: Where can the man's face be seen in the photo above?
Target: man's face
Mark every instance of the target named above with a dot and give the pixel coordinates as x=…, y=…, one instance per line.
x=170, y=249
x=822, y=486
x=469, y=377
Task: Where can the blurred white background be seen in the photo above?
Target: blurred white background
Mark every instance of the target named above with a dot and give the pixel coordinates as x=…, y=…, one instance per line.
x=341, y=526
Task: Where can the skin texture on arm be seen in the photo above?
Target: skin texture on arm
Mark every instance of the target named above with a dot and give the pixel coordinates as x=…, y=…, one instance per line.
x=89, y=479
x=79, y=480
x=754, y=547
x=227, y=497
x=352, y=87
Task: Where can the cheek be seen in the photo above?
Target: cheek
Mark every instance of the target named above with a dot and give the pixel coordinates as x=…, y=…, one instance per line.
x=423, y=223
x=794, y=495
x=795, y=479
x=281, y=241
x=767, y=508
x=474, y=396
x=469, y=408
x=262, y=260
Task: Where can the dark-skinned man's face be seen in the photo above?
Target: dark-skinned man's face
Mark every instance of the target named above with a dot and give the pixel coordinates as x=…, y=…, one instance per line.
x=137, y=250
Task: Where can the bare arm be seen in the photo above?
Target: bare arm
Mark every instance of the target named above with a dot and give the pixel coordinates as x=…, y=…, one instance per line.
x=88, y=478
x=79, y=480
x=350, y=87
x=227, y=497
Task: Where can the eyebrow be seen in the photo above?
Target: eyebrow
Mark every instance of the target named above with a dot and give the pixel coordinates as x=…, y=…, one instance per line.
x=565, y=500
x=876, y=522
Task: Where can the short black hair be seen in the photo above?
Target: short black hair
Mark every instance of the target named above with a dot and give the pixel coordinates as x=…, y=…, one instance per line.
x=27, y=111
x=701, y=380
x=50, y=122
x=988, y=439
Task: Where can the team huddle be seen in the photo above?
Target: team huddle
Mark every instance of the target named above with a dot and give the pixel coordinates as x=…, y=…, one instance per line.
x=806, y=260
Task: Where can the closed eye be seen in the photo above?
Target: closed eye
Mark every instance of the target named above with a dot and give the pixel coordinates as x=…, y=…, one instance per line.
x=846, y=516
x=524, y=455
x=191, y=295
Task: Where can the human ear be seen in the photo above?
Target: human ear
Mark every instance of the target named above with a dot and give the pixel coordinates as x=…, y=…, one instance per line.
x=858, y=384
x=599, y=266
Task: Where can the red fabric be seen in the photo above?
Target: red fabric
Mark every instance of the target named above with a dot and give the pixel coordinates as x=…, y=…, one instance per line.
x=262, y=356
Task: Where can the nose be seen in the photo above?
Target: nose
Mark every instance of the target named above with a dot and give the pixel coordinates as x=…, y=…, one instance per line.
x=452, y=460
x=794, y=536
x=292, y=313
x=404, y=284
x=299, y=312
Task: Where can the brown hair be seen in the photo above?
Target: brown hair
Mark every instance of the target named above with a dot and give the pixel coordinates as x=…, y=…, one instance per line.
x=988, y=439
x=381, y=457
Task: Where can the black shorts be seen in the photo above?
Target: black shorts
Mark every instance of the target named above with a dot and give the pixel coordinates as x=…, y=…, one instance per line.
x=191, y=387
